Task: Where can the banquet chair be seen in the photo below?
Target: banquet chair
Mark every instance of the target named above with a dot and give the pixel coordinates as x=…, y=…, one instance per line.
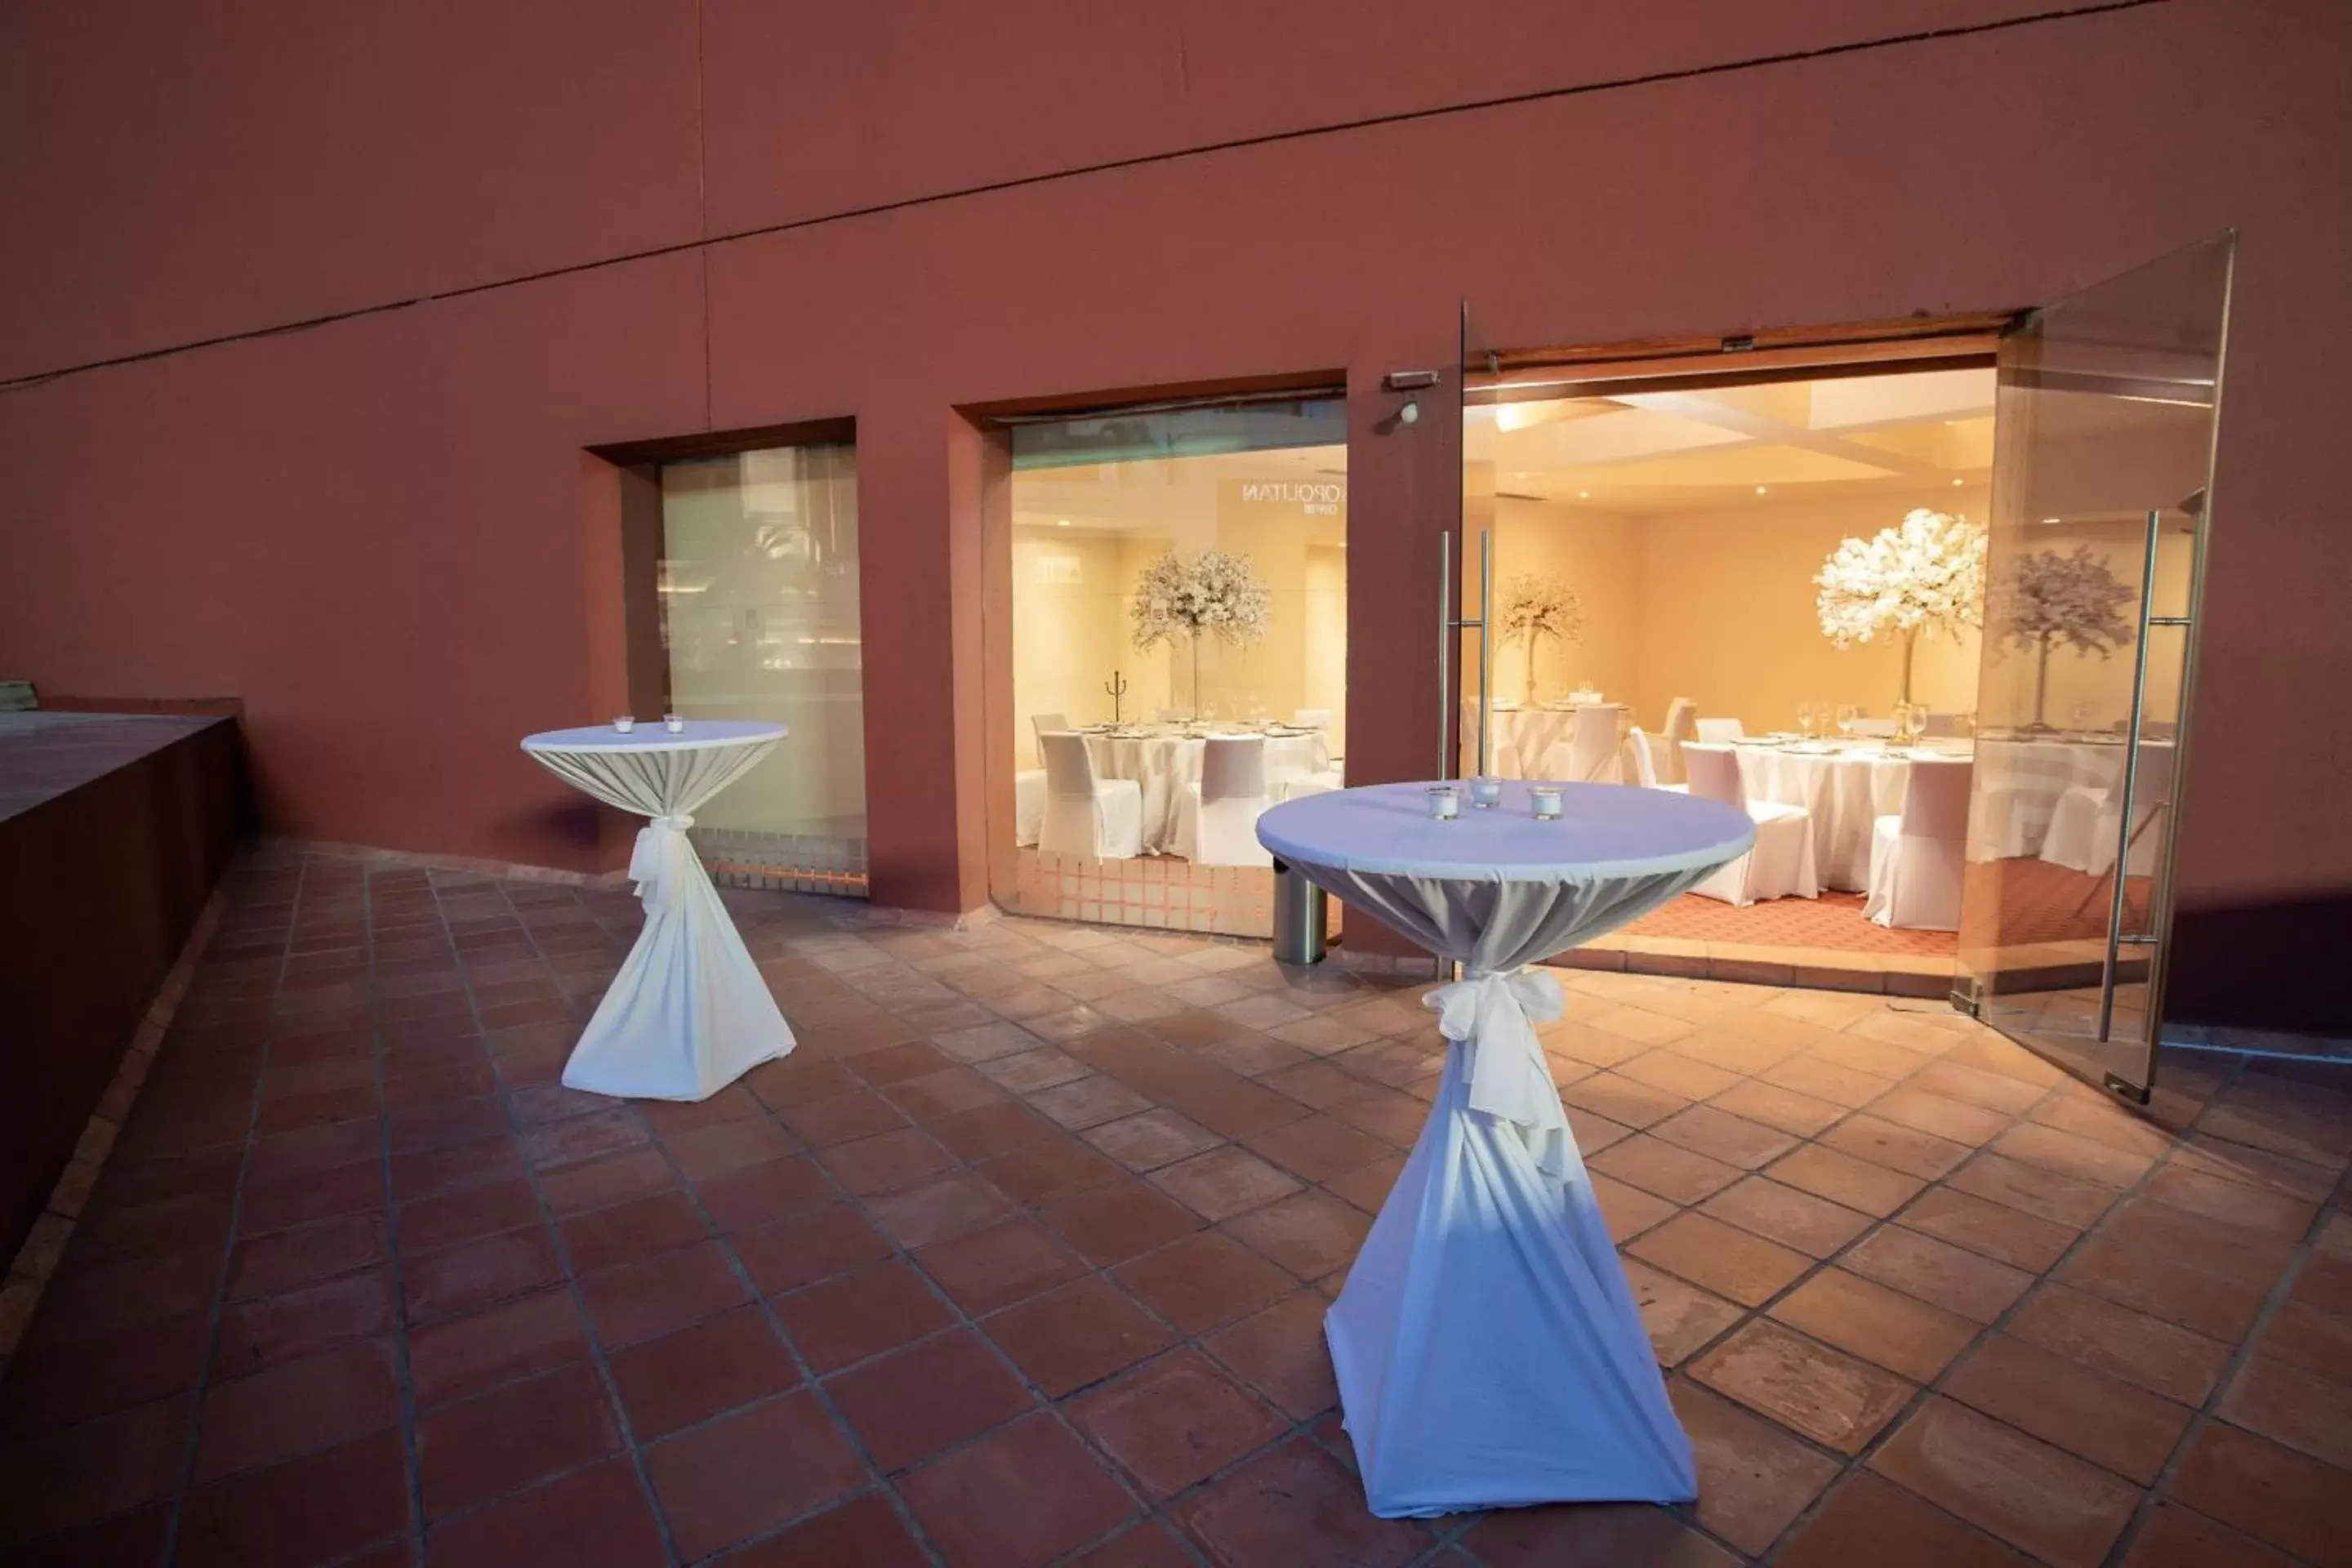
x=1781, y=863
x=1101, y=819
x=1645, y=764
x=1682, y=725
x=1942, y=727
x=1719, y=731
x=1216, y=819
x=1918, y=855
x=1589, y=754
x=2083, y=826
x=1029, y=784
x=1311, y=718
x=1877, y=728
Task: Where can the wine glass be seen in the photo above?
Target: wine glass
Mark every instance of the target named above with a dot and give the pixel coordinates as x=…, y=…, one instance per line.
x=1805, y=720
x=1846, y=714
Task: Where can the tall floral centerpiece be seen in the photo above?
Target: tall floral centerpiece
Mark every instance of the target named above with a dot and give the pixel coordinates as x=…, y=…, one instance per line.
x=1536, y=607
x=1217, y=594
x=2047, y=597
x=1926, y=575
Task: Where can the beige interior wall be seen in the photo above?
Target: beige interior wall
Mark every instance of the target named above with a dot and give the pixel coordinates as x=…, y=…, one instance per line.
x=1595, y=554
x=1726, y=613
x=1069, y=637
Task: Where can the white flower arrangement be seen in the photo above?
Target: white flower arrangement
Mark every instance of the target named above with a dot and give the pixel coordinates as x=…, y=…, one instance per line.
x=1535, y=607
x=1219, y=594
x=2045, y=597
x=1925, y=574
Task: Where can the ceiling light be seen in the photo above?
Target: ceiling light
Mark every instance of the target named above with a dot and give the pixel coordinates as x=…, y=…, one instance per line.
x=1585, y=495
x=1960, y=481
x=1760, y=489
x=1061, y=522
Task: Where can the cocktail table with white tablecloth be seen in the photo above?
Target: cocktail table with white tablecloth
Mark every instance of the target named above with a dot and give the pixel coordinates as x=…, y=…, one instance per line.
x=1490, y=1352
x=689, y=1011
x=1164, y=764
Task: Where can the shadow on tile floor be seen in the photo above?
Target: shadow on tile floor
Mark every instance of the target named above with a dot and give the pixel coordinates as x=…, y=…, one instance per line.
x=1021, y=1260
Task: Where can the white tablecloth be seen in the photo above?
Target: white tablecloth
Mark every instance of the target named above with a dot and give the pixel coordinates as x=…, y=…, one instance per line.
x=1488, y=1351
x=1518, y=738
x=1163, y=764
x=689, y=1011
x=1846, y=789
x=2020, y=780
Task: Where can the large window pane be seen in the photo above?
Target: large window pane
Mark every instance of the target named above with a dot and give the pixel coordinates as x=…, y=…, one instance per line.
x=1100, y=506
x=759, y=592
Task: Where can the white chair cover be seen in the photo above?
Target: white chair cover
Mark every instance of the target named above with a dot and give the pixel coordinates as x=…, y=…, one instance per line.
x=1098, y=820
x=1217, y=819
x=1645, y=762
x=1876, y=728
x=1592, y=754
x=2089, y=816
x=1717, y=731
x=1781, y=864
x=1919, y=856
x=1311, y=718
x=689, y=1011
x=1488, y=1348
x=1028, y=805
x=1682, y=724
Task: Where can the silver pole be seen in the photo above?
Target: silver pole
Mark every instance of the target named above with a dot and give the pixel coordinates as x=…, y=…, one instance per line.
x=1445, y=653
x=1486, y=640
x=2130, y=783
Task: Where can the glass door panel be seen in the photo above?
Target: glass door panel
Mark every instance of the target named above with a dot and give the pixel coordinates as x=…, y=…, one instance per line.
x=2105, y=416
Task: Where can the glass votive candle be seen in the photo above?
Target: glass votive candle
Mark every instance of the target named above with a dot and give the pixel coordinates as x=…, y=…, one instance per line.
x=1444, y=802
x=1486, y=792
x=674, y=723
x=624, y=723
x=1545, y=799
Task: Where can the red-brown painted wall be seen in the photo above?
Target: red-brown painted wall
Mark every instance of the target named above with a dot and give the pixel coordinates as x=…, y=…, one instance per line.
x=373, y=529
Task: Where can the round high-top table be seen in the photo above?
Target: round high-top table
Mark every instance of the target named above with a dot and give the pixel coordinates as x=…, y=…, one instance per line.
x=689, y=1011
x=1488, y=1350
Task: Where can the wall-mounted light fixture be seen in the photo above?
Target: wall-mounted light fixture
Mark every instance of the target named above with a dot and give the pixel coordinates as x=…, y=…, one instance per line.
x=1410, y=381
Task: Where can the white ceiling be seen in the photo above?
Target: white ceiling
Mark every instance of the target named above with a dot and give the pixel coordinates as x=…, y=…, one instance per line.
x=1680, y=451
x=1636, y=452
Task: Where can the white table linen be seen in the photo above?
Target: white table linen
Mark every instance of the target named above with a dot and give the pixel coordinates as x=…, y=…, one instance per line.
x=1518, y=738
x=1164, y=765
x=1846, y=788
x=689, y=1011
x=1488, y=1351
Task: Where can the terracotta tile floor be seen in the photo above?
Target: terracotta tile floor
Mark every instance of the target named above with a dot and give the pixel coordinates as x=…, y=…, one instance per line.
x=1021, y=1260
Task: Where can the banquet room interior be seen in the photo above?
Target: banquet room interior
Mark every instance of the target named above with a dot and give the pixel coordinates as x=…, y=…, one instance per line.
x=1657, y=547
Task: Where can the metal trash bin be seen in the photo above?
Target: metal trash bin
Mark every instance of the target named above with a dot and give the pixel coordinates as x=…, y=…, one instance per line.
x=1301, y=918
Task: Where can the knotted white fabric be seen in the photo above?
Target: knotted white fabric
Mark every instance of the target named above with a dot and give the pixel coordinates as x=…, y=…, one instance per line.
x=1488, y=1350
x=1492, y=1018
x=658, y=861
x=689, y=1011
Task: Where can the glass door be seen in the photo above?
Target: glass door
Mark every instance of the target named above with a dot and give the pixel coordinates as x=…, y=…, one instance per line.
x=2105, y=417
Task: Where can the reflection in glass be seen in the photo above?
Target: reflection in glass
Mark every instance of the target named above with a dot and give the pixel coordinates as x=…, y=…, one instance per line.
x=2105, y=416
x=759, y=595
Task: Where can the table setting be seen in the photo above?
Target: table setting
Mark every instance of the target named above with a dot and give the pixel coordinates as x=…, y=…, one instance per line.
x=1164, y=759
x=689, y=1012
x=1487, y=1347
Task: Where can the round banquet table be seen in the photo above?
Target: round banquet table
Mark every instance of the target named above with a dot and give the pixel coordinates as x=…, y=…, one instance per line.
x=1164, y=765
x=689, y=1011
x=1488, y=1350
x=1847, y=789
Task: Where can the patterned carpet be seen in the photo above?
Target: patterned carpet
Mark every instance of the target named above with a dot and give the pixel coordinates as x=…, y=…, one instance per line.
x=2038, y=902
